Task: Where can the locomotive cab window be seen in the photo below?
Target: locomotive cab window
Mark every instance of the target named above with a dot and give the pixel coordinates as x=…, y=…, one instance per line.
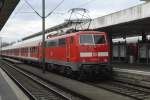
x=86, y=39
x=99, y=39
x=92, y=39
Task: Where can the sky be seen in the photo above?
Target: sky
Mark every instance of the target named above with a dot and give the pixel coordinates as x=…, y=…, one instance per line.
x=24, y=22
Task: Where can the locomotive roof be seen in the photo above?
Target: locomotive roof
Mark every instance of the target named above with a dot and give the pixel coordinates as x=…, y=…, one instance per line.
x=71, y=34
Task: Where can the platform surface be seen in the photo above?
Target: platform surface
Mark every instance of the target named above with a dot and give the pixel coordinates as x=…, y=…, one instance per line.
x=9, y=90
x=13, y=60
x=131, y=69
x=6, y=93
x=133, y=74
x=137, y=67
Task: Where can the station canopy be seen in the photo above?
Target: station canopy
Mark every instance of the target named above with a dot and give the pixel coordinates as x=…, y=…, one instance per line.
x=145, y=0
x=6, y=8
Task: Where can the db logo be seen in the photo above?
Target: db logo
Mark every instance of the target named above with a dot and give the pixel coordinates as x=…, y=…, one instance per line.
x=95, y=54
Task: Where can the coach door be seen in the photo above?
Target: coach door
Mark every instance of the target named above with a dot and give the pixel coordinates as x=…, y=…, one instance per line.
x=29, y=52
x=68, y=49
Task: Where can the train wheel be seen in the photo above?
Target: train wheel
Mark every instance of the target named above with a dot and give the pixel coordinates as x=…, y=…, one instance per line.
x=109, y=72
x=49, y=67
x=82, y=75
x=52, y=68
x=62, y=70
x=68, y=72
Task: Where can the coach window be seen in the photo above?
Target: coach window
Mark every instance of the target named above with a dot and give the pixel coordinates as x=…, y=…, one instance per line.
x=22, y=50
x=49, y=43
x=36, y=50
x=26, y=50
x=62, y=41
x=52, y=43
x=30, y=50
x=46, y=44
x=33, y=49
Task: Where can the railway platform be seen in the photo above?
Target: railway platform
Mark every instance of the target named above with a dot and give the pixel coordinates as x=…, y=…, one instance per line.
x=138, y=67
x=8, y=89
x=13, y=60
x=134, y=74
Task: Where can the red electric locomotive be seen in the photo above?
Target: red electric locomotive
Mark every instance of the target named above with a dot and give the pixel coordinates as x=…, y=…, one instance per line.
x=83, y=53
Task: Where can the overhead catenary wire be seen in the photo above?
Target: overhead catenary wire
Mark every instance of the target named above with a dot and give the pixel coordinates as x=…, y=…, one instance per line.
x=18, y=11
x=52, y=12
x=55, y=8
x=32, y=8
x=48, y=13
x=86, y=3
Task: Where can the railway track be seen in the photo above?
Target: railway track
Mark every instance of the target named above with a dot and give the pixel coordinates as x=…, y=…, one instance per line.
x=34, y=87
x=126, y=89
x=135, y=92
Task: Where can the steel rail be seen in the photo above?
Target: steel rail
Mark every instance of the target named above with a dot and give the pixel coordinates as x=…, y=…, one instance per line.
x=68, y=92
x=7, y=68
x=130, y=90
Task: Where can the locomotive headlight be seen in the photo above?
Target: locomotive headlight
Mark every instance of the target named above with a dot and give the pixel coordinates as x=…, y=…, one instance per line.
x=85, y=54
x=102, y=53
x=105, y=60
